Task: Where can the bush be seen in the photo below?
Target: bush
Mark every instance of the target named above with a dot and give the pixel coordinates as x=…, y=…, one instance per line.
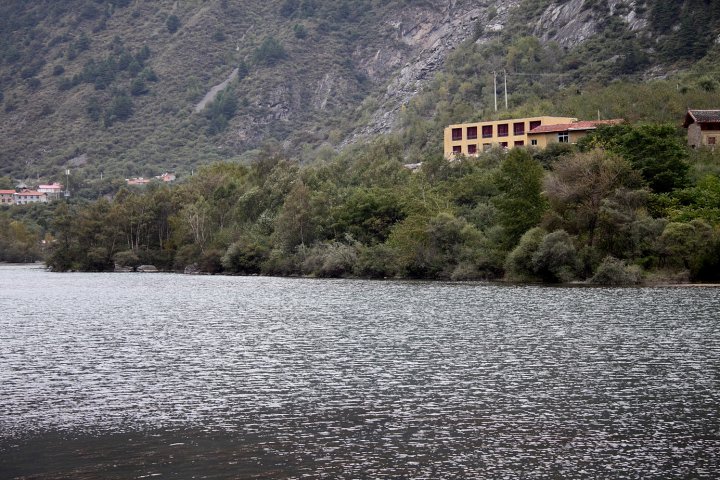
x=172, y=23
x=211, y=261
x=269, y=52
x=330, y=260
x=245, y=256
x=615, y=272
x=280, y=262
x=127, y=258
x=556, y=260
x=519, y=265
x=299, y=30
x=138, y=87
x=376, y=261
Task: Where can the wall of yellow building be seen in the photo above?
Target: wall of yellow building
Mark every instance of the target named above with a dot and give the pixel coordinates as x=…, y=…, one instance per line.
x=545, y=139
x=495, y=140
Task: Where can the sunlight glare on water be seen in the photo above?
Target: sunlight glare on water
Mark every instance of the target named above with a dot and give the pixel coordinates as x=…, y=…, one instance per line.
x=348, y=378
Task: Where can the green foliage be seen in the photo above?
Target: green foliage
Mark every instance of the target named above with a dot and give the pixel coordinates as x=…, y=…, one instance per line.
x=300, y=31
x=246, y=255
x=657, y=151
x=138, y=87
x=555, y=259
x=578, y=185
x=699, y=202
x=269, y=52
x=519, y=266
x=221, y=110
x=19, y=241
x=615, y=272
x=120, y=109
x=520, y=204
x=172, y=23
x=691, y=246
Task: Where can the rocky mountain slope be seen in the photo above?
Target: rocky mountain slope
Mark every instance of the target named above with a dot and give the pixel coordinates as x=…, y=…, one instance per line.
x=118, y=87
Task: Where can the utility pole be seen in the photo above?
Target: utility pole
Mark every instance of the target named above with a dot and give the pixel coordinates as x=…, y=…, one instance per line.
x=505, y=75
x=495, y=88
x=67, y=182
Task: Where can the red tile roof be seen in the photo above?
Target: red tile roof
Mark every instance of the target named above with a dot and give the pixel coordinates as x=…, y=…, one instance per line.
x=7, y=192
x=575, y=126
x=701, y=116
x=29, y=193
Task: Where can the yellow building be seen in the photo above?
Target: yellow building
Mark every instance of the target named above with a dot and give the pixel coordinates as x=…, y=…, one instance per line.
x=703, y=128
x=472, y=138
x=544, y=135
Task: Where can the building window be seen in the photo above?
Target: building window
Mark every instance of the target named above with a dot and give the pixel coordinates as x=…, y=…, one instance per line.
x=457, y=149
x=519, y=143
x=457, y=133
x=471, y=133
x=564, y=137
x=486, y=147
x=535, y=124
x=533, y=142
x=711, y=140
x=504, y=144
x=472, y=149
x=503, y=130
x=519, y=128
x=487, y=131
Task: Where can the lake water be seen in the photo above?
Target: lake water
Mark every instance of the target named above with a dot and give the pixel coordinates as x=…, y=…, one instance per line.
x=174, y=376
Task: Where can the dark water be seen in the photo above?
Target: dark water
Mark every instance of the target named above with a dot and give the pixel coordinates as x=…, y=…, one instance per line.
x=172, y=376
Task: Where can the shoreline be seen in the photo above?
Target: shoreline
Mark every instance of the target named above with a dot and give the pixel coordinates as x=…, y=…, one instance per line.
x=649, y=284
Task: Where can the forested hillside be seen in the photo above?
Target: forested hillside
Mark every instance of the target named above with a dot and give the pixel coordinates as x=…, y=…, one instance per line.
x=298, y=119
x=113, y=87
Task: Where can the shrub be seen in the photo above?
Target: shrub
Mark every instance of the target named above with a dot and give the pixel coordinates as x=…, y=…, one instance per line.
x=615, y=272
x=245, y=256
x=555, y=259
x=330, y=260
x=138, y=87
x=269, y=52
x=211, y=261
x=127, y=258
x=172, y=23
x=376, y=261
x=279, y=262
x=299, y=30
x=519, y=264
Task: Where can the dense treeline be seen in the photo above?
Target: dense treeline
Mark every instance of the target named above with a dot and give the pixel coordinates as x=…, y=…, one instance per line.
x=621, y=207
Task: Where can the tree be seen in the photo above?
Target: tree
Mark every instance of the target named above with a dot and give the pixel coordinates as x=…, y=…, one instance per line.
x=269, y=52
x=520, y=204
x=692, y=246
x=294, y=226
x=172, y=23
x=656, y=151
x=578, y=184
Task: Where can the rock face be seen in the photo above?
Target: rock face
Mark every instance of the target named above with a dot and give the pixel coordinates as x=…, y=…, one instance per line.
x=430, y=35
x=572, y=22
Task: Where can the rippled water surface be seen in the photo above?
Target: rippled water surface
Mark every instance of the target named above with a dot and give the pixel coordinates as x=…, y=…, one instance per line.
x=135, y=375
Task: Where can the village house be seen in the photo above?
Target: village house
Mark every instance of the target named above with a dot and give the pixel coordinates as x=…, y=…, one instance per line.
x=703, y=128
x=53, y=190
x=7, y=197
x=473, y=138
x=30, y=196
